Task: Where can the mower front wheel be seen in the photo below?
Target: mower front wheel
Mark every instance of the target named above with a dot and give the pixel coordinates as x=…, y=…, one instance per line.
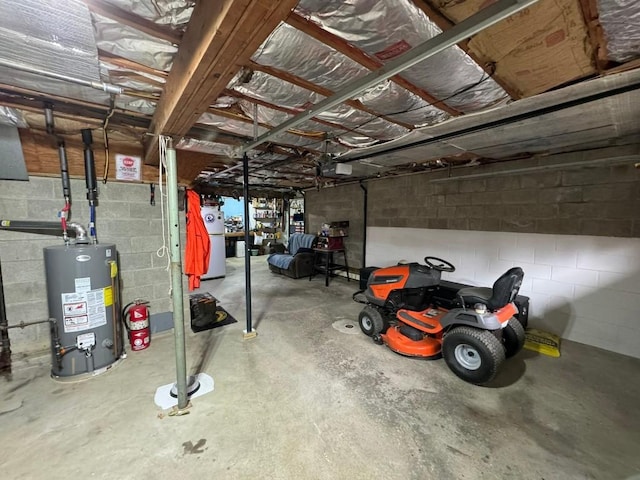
x=513, y=337
x=371, y=321
x=472, y=354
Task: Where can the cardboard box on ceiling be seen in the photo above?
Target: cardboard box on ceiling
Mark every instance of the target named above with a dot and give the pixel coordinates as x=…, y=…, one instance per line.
x=539, y=48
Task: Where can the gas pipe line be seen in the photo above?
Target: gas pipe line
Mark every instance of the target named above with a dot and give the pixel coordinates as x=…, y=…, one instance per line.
x=65, y=213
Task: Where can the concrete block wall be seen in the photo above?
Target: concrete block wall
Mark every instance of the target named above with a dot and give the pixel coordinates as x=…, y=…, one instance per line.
x=334, y=205
x=124, y=217
x=600, y=200
x=583, y=288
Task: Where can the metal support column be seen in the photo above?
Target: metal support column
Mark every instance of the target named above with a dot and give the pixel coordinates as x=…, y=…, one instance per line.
x=176, y=279
x=249, y=332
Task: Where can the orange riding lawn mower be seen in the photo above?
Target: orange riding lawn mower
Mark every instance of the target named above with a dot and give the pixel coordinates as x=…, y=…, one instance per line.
x=409, y=309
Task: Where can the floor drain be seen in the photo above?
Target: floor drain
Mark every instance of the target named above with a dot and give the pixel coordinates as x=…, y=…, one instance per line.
x=345, y=326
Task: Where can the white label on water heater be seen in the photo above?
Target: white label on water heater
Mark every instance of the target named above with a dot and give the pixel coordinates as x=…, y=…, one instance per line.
x=85, y=341
x=108, y=252
x=83, y=284
x=83, y=310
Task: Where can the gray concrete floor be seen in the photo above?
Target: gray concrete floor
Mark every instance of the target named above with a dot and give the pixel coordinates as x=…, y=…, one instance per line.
x=310, y=398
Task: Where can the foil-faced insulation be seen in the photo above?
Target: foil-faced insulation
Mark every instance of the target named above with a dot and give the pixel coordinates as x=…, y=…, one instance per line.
x=281, y=93
x=386, y=29
x=237, y=127
x=127, y=42
x=139, y=105
x=13, y=117
x=296, y=52
x=246, y=129
x=175, y=13
x=53, y=36
x=204, y=146
x=620, y=20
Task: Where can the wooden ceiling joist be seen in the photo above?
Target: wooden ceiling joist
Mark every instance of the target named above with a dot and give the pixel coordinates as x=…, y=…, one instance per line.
x=213, y=134
x=18, y=97
x=445, y=24
x=357, y=55
x=290, y=111
x=220, y=38
x=134, y=21
x=241, y=117
x=596, y=34
x=122, y=62
x=302, y=83
x=136, y=77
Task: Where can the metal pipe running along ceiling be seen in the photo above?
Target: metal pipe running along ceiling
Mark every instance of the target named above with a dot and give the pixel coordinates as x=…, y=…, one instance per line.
x=467, y=28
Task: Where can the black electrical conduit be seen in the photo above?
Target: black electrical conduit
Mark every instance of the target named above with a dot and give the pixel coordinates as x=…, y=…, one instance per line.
x=503, y=121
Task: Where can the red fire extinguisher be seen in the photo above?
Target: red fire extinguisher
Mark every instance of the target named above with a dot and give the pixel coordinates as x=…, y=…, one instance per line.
x=136, y=320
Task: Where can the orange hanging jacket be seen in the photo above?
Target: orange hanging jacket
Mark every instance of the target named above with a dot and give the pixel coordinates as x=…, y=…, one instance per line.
x=196, y=258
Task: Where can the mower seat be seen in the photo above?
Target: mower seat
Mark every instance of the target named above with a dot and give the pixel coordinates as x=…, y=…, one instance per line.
x=504, y=291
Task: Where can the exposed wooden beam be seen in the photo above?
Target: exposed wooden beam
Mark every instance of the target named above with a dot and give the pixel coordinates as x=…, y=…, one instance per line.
x=596, y=34
x=134, y=21
x=291, y=111
x=210, y=133
x=445, y=24
x=136, y=77
x=631, y=65
x=220, y=39
x=302, y=83
x=41, y=155
x=122, y=62
x=357, y=55
x=19, y=97
x=241, y=117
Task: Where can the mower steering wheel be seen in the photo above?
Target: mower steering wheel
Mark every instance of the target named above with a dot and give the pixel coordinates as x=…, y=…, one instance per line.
x=443, y=265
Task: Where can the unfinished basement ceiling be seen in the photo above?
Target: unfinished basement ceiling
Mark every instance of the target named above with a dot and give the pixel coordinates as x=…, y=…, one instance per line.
x=559, y=75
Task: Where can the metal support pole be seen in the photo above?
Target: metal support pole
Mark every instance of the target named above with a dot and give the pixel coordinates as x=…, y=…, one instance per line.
x=249, y=332
x=176, y=279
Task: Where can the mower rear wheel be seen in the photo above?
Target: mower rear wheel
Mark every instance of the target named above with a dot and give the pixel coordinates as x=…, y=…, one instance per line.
x=371, y=321
x=472, y=354
x=513, y=337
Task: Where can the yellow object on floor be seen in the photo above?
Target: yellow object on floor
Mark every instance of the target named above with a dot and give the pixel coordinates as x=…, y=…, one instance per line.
x=542, y=342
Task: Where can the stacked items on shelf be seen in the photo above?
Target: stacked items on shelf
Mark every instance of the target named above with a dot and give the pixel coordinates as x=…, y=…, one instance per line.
x=233, y=224
x=267, y=214
x=332, y=235
x=296, y=215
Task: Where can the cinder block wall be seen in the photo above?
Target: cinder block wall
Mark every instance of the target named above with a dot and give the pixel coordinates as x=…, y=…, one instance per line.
x=600, y=200
x=124, y=217
x=334, y=205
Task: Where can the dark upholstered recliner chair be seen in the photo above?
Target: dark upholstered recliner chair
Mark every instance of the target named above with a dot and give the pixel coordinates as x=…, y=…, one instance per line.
x=297, y=260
